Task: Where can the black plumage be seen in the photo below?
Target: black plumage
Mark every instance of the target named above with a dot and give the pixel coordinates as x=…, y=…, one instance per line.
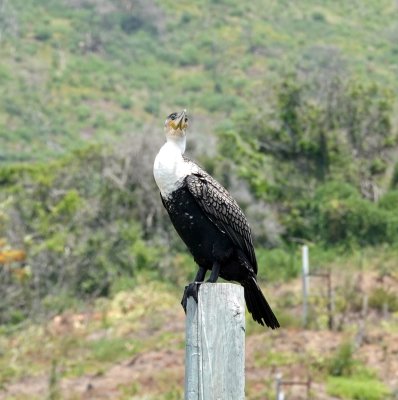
x=216, y=232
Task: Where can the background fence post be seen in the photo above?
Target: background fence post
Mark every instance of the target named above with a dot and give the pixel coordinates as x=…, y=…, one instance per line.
x=305, y=273
x=278, y=383
x=330, y=305
x=215, y=343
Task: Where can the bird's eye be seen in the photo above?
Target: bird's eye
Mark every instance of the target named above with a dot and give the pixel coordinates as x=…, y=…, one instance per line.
x=173, y=116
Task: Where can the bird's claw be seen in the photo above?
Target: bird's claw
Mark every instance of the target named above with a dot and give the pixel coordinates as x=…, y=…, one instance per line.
x=191, y=290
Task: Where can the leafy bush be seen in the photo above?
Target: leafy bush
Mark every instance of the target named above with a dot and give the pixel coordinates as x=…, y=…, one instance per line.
x=111, y=349
x=194, y=83
x=342, y=363
x=277, y=264
x=152, y=106
x=308, y=133
x=380, y=297
x=68, y=205
x=189, y=55
x=216, y=102
x=378, y=166
x=125, y=102
x=389, y=201
x=335, y=190
x=341, y=215
x=350, y=379
x=80, y=229
x=318, y=16
x=131, y=23
x=357, y=388
x=43, y=34
x=394, y=180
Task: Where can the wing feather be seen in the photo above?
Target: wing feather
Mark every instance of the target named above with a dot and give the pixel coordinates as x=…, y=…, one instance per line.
x=222, y=210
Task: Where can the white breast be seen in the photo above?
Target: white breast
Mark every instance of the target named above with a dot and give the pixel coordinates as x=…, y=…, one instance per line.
x=170, y=169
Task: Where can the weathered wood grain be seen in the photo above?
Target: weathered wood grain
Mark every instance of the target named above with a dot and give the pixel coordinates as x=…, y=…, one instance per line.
x=215, y=343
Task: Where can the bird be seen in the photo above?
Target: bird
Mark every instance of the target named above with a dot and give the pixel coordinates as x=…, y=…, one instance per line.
x=208, y=220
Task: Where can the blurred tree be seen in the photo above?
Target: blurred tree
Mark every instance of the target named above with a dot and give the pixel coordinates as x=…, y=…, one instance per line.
x=318, y=131
x=339, y=129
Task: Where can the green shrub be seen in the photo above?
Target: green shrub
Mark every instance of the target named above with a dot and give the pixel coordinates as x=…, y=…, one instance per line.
x=365, y=221
x=186, y=18
x=152, y=106
x=288, y=319
x=59, y=302
x=276, y=264
x=378, y=166
x=357, y=388
x=352, y=380
x=83, y=112
x=342, y=363
x=394, y=181
x=379, y=297
x=389, y=201
x=16, y=316
x=214, y=102
x=335, y=190
x=5, y=73
x=194, y=83
x=274, y=358
x=318, y=16
x=392, y=228
x=189, y=55
x=146, y=257
x=341, y=215
x=43, y=34
x=125, y=102
x=68, y=205
x=111, y=349
x=131, y=23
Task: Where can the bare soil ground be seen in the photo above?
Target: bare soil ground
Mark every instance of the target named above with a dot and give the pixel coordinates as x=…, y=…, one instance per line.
x=295, y=353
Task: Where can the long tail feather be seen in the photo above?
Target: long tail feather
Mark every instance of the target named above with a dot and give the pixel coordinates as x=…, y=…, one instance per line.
x=257, y=304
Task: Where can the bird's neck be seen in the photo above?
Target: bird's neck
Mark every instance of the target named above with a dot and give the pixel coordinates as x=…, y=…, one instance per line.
x=170, y=168
x=177, y=143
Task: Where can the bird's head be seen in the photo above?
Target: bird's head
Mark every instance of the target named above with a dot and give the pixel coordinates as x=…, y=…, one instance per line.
x=176, y=124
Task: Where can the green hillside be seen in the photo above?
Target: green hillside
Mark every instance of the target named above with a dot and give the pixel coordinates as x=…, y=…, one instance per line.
x=292, y=108
x=297, y=100
x=83, y=71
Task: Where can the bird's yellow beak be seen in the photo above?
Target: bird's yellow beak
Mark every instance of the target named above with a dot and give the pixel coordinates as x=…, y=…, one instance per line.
x=180, y=120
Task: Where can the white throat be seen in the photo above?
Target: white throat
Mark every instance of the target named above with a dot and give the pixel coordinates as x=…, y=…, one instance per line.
x=170, y=168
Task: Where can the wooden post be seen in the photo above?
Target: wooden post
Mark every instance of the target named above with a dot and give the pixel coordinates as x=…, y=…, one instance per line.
x=305, y=272
x=215, y=343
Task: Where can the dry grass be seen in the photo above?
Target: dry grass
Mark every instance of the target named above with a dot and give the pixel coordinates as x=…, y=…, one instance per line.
x=132, y=347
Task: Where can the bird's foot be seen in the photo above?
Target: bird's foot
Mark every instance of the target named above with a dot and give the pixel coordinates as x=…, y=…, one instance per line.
x=191, y=290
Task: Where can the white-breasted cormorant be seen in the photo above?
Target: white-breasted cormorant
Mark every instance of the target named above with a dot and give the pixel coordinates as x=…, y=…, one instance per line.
x=208, y=220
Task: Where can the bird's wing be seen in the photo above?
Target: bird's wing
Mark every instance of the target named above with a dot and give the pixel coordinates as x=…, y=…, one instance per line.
x=222, y=210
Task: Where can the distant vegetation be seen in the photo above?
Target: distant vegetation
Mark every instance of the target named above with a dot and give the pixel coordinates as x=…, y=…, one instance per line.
x=307, y=140
x=79, y=71
x=91, y=222
x=293, y=108
x=324, y=155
